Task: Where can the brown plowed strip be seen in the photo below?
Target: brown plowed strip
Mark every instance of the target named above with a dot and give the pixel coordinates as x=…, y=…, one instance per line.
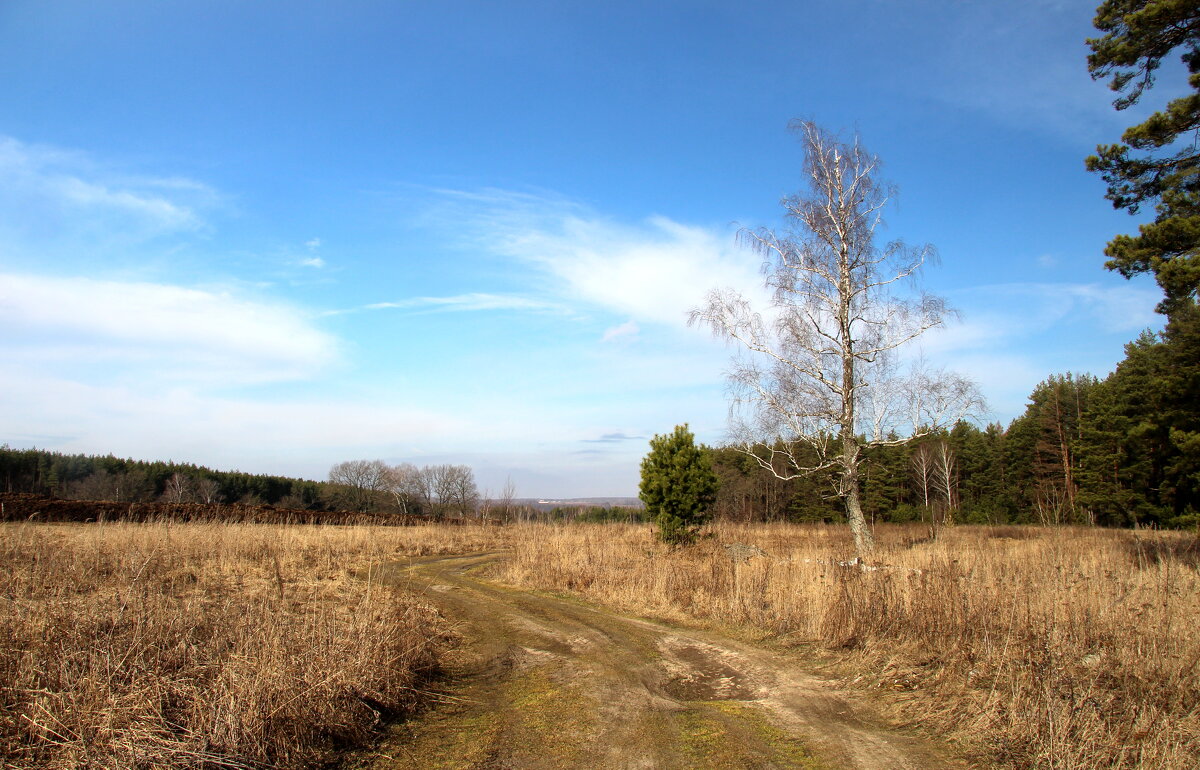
x=546, y=682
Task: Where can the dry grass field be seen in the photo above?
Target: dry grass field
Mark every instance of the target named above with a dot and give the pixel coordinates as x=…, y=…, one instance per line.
x=206, y=645
x=244, y=646
x=1067, y=648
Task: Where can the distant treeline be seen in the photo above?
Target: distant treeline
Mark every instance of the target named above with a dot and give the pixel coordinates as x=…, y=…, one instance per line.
x=94, y=477
x=21, y=506
x=1122, y=451
x=590, y=514
x=371, y=488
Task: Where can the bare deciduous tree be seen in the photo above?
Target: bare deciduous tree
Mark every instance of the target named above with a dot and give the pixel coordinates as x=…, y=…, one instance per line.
x=456, y=489
x=208, y=490
x=945, y=478
x=504, y=505
x=441, y=490
x=935, y=471
x=818, y=380
x=424, y=490
x=360, y=482
x=441, y=487
x=177, y=489
x=922, y=461
x=100, y=485
x=404, y=484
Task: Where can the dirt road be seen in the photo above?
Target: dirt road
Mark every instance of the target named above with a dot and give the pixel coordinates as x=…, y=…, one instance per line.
x=547, y=682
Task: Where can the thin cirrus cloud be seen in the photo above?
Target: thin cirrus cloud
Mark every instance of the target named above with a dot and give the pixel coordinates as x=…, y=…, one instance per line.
x=1124, y=307
x=654, y=271
x=626, y=331
x=166, y=214
x=175, y=331
x=53, y=193
x=1043, y=85
x=1012, y=313
x=1014, y=335
x=657, y=270
x=472, y=302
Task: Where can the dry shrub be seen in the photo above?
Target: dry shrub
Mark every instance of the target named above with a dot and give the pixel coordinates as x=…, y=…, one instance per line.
x=1064, y=648
x=206, y=645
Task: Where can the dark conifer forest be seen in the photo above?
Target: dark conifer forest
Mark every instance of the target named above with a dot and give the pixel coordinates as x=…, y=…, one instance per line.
x=1119, y=451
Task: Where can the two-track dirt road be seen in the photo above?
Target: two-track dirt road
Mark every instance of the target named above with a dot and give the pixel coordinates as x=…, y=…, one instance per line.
x=547, y=682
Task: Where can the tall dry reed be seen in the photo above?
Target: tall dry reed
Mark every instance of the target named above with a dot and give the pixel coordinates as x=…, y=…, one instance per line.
x=1064, y=648
x=206, y=645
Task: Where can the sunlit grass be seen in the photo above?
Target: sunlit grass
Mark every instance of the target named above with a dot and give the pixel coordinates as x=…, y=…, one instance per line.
x=206, y=645
x=1066, y=648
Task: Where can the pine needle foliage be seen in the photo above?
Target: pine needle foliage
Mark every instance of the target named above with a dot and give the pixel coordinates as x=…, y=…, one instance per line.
x=678, y=486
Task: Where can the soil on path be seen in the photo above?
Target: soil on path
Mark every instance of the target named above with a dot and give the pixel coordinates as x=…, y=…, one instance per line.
x=548, y=682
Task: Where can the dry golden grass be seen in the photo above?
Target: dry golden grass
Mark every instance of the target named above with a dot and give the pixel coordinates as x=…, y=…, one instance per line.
x=206, y=645
x=1067, y=648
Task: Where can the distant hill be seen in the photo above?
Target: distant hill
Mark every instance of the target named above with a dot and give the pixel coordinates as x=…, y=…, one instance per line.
x=548, y=503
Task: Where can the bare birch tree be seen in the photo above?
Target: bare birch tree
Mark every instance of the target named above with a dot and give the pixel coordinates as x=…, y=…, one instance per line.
x=177, y=489
x=945, y=477
x=208, y=490
x=818, y=380
x=935, y=471
x=922, y=460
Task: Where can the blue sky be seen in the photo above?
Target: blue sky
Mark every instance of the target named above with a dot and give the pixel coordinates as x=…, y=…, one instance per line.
x=273, y=236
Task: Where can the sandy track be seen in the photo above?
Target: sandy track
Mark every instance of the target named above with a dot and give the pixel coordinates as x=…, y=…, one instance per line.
x=548, y=682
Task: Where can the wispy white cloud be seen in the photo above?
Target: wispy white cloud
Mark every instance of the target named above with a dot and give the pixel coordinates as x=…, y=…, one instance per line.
x=1119, y=307
x=652, y=273
x=167, y=331
x=625, y=331
x=1013, y=336
x=1023, y=63
x=1003, y=314
x=1123, y=308
x=655, y=271
x=59, y=192
x=473, y=302
x=313, y=261
x=160, y=211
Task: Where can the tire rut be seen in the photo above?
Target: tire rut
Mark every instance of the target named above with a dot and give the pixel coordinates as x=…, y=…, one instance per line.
x=546, y=682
